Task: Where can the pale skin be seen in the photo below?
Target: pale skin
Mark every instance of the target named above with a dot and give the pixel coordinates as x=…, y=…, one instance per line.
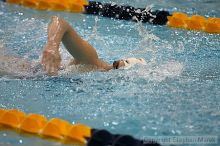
x=83, y=53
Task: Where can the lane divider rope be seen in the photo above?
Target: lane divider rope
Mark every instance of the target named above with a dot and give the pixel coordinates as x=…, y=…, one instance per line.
x=64, y=132
x=159, y=17
x=194, y=22
x=38, y=125
x=75, y=6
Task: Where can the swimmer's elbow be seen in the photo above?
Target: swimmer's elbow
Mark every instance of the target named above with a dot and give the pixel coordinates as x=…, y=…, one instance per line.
x=59, y=20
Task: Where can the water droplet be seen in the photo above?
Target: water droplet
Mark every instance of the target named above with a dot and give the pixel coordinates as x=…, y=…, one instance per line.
x=144, y=128
x=106, y=124
x=20, y=141
x=114, y=123
x=54, y=112
x=154, y=128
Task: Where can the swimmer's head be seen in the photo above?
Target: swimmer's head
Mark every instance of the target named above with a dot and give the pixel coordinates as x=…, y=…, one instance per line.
x=126, y=63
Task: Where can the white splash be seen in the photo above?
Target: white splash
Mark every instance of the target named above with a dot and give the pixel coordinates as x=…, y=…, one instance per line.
x=150, y=71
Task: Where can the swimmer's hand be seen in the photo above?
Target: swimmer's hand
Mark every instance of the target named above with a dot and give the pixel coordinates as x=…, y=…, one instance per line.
x=51, y=60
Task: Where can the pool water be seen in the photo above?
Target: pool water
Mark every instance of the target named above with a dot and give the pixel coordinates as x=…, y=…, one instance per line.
x=175, y=94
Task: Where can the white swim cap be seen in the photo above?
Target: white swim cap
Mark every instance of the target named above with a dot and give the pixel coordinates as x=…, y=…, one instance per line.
x=129, y=62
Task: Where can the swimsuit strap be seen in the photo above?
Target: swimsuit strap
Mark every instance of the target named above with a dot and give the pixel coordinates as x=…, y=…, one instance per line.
x=112, y=10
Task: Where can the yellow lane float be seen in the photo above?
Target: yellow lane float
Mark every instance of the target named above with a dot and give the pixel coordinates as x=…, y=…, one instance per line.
x=38, y=125
x=195, y=22
x=76, y=6
x=176, y=20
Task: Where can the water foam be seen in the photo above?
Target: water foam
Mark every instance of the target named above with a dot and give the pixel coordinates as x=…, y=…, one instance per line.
x=151, y=71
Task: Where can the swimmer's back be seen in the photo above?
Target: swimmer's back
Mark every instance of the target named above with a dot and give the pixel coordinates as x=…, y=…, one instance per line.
x=19, y=67
x=13, y=66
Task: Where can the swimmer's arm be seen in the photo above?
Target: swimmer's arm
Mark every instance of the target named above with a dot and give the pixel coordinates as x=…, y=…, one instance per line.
x=59, y=30
x=51, y=58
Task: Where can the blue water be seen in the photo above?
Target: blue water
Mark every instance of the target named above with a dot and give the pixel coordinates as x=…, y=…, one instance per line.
x=175, y=94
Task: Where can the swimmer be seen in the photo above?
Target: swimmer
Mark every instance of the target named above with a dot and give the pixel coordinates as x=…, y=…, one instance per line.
x=82, y=52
